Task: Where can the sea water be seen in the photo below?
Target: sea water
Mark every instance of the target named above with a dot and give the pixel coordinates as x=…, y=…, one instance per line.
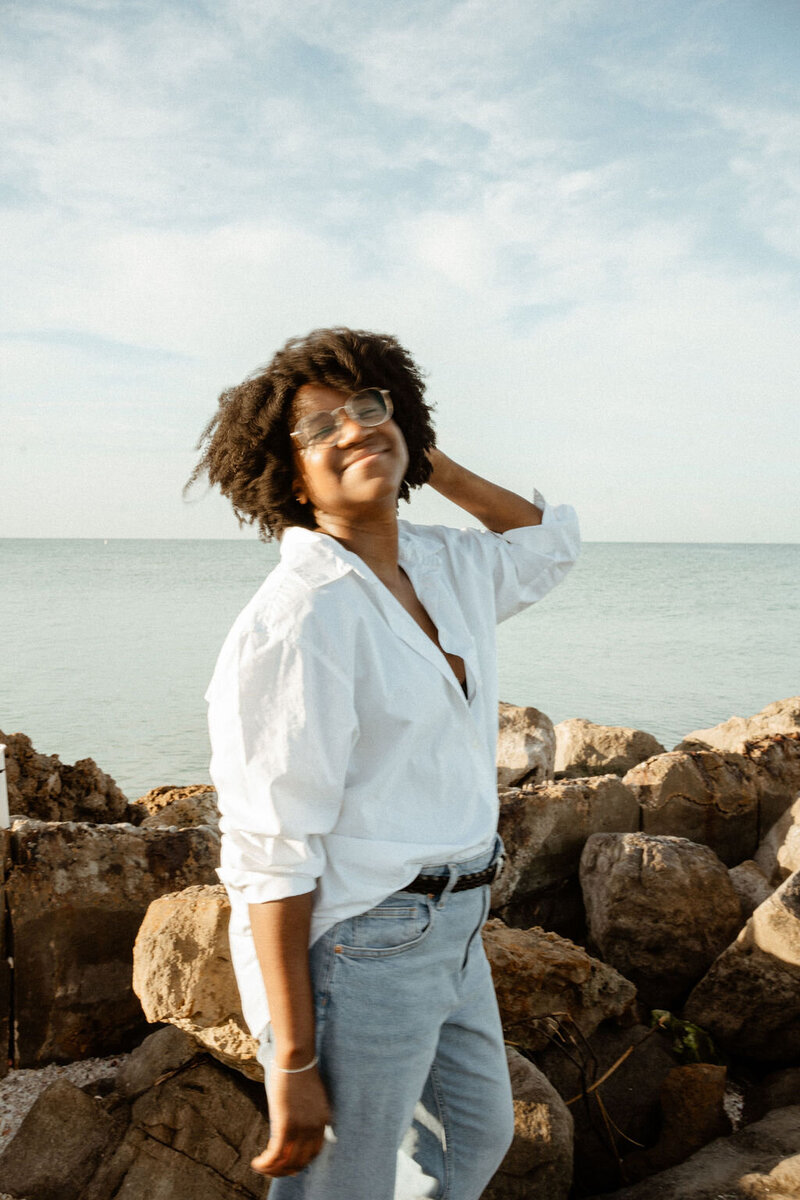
x=106, y=648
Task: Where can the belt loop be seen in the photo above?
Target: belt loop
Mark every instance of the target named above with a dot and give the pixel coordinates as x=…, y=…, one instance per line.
x=448, y=887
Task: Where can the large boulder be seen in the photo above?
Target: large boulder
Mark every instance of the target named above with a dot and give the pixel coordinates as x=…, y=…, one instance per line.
x=545, y=828
x=777, y=763
x=526, y=746
x=760, y=1162
x=702, y=795
x=6, y=991
x=77, y=894
x=182, y=974
x=692, y=1115
x=778, y=856
x=751, y=886
x=539, y=1161
x=184, y=807
x=659, y=910
x=783, y=716
x=750, y=999
x=544, y=982
x=583, y=748
x=41, y=786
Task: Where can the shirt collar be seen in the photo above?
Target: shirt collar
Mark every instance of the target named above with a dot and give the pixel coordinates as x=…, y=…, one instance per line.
x=318, y=559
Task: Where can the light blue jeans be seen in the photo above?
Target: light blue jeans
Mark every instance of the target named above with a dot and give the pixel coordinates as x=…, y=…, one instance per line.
x=410, y=1050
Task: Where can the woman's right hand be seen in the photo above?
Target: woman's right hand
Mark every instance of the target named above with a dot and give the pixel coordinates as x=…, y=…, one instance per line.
x=298, y=1114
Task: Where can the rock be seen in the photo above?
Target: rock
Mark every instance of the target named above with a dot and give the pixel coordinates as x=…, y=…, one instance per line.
x=77, y=894
x=778, y=856
x=180, y=806
x=545, y=827
x=6, y=990
x=732, y=735
x=182, y=974
x=191, y=1137
x=777, y=763
x=58, y=1146
x=611, y=1083
x=751, y=886
x=41, y=786
x=750, y=999
x=760, y=1162
x=779, y=1089
x=539, y=1162
x=159, y=1055
x=543, y=980
x=659, y=910
x=693, y=1114
x=526, y=746
x=702, y=795
x=583, y=748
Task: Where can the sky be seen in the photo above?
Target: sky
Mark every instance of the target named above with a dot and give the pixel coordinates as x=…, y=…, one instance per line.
x=582, y=218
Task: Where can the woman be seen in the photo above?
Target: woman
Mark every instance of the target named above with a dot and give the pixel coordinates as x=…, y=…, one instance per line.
x=353, y=721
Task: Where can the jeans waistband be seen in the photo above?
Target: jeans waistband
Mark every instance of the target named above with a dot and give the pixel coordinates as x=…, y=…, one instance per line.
x=470, y=865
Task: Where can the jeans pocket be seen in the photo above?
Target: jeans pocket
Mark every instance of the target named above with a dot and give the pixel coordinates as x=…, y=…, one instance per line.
x=392, y=927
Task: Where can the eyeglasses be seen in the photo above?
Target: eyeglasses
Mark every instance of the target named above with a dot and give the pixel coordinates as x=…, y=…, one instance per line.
x=367, y=408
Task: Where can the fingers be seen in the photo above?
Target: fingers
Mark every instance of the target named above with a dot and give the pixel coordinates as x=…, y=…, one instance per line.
x=287, y=1156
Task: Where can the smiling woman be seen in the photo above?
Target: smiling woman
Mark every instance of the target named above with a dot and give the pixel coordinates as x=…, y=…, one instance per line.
x=353, y=722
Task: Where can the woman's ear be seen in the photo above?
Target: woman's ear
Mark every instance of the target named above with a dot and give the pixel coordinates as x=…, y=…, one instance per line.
x=299, y=492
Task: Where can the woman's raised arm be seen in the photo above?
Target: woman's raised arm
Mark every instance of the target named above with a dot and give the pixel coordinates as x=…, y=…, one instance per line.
x=495, y=507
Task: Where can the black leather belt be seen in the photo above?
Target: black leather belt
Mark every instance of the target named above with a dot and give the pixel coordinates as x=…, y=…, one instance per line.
x=434, y=885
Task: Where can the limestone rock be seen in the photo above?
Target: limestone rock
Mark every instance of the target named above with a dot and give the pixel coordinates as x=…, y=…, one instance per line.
x=612, y=1083
x=702, y=795
x=159, y=1055
x=750, y=999
x=783, y=716
x=659, y=910
x=58, y=1145
x=181, y=806
x=539, y=1162
x=778, y=856
x=693, y=1114
x=545, y=827
x=583, y=748
x=543, y=980
x=777, y=763
x=182, y=974
x=41, y=786
x=526, y=746
x=751, y=886
x=760, y=1162
x=191, y=1137
x=77, y=894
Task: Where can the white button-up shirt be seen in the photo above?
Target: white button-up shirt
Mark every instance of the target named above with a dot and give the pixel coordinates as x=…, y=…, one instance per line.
x=345, y=754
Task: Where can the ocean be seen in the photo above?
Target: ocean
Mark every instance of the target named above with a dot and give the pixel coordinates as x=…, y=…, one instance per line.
x=106, y=647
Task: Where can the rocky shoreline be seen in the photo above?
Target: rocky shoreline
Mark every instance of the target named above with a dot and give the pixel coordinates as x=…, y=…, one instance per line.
x=644, y=942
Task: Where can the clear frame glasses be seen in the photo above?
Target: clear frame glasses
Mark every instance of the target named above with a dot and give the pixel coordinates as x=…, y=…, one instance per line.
x=369, y=407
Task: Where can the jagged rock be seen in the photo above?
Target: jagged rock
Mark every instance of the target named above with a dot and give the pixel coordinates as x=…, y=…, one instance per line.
x=191, y=1137
x=159, y=1055
x=77, y=894
x=760, y=1162
x=702, y=795
x=545, y=827
x=777, y=763
x=750, y=999
x=612, y=1084
x=778, y=856
x=182, y=974
x=539, y=1162
x=58, y=1146
x=5, y=952
x=41, y=786
x=659, y=910
x=526, y=746
x=542, y=980
x=181, y=806
x=693, y=1114
x=583, y=748
x=751, y=886
x=783, y=716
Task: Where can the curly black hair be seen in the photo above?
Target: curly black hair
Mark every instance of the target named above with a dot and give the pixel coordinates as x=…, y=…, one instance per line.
x=247, y=448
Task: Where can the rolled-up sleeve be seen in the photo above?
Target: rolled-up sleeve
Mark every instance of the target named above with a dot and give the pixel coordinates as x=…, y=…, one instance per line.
x=282, y=725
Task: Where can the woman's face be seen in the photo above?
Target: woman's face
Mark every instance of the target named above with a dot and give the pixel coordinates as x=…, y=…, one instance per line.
x=359, y=473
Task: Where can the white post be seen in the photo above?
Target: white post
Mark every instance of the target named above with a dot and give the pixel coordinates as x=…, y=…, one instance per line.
x=4, y=821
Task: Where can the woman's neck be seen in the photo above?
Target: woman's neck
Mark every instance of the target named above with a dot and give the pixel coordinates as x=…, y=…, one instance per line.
x=375, y=541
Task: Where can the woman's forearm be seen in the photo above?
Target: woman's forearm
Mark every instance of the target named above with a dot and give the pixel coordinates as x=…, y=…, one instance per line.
x=280, y=932
x=495, y=507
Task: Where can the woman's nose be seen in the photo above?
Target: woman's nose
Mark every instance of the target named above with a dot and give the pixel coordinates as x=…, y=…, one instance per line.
x=349, y=431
